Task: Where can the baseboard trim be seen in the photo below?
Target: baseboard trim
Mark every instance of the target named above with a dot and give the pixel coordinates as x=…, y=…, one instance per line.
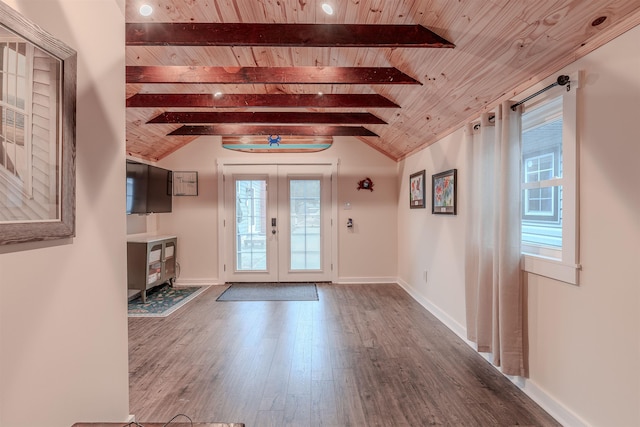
x=365, y=280
x=339, y=281
x=449, y=321
x=561, y=413
x=553, y=407
x=198, y=282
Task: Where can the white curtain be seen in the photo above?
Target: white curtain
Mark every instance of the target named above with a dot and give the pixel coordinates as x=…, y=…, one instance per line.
x=494, y=289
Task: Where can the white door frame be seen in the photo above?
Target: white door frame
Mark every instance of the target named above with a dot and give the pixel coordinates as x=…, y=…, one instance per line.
x=222, y=212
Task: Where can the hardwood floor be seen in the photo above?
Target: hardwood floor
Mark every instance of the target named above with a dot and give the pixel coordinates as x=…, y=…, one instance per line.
x=364, y=355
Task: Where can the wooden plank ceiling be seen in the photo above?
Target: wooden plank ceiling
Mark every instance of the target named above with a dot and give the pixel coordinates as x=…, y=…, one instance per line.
x=396, y=74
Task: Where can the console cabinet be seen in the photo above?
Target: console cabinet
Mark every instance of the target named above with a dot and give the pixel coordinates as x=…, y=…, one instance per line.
x=151, y=261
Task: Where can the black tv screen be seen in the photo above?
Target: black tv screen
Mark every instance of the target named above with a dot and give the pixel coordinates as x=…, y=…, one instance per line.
x=148, y=188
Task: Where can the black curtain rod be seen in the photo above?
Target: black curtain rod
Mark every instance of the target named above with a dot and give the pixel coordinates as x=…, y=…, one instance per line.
x=561, y=81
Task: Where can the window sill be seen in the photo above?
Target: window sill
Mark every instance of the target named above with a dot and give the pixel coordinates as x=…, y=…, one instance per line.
x=551, y=268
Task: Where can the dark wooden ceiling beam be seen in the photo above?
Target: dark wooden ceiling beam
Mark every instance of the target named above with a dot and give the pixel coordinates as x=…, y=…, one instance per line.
x=276, y=100
x=289, y=117
x=272, y=130
x=267, y=75
x=306, y=35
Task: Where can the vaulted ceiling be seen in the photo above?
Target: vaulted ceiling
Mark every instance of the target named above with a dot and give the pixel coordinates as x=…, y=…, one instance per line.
x=396, y=74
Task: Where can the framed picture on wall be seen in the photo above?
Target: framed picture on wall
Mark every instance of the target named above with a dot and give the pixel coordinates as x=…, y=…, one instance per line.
x=38, y=133
x=443, y=190
x=416, y=190
x=185, y=183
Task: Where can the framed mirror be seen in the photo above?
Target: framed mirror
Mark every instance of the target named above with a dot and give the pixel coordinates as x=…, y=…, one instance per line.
x=37, y=132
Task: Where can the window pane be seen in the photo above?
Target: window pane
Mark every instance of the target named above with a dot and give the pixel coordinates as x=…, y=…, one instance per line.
x=3, y=55
x=13, y=61
x=546, y=167
x=11, y=89
x=10, y=120
x=542, y=148
x=22, y=59
x=542, y=161
x=539, y=167
x=544, y=226
x=534, y=205
x=21, y=93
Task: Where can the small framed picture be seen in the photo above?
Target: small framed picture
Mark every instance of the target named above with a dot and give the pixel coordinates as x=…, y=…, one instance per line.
x=185, y=183
x=416, y=190
x=443, y=190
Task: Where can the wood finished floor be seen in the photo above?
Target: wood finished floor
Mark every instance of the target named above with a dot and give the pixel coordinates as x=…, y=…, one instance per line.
x=364, y=355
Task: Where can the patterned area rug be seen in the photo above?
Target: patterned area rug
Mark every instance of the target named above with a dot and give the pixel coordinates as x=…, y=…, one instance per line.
x=163, y=300
x=270, y=292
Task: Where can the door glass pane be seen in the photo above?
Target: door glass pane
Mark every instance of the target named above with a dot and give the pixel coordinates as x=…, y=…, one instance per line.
x=251, y=221
x=305, y=223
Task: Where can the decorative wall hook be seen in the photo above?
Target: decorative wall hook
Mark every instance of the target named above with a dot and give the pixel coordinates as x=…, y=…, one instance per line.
x=366, y=184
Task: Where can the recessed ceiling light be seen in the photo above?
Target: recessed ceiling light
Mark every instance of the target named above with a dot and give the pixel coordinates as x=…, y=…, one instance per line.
x=320, y=94
x=217, y=95
x=146, y=10
x=326, y=7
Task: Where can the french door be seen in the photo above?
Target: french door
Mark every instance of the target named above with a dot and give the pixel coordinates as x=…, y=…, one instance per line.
x=277, y=223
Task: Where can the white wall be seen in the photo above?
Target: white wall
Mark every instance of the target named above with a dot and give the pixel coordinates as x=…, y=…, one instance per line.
x=366, y=253
x=584, y=340
x=63, y=320
x=434, y=243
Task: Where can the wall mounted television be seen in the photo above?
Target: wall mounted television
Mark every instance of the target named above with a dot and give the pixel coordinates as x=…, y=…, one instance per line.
x=149, y=188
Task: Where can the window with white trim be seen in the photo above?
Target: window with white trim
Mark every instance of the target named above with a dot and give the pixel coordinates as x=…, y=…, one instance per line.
x=549, y=185
x=541, y=167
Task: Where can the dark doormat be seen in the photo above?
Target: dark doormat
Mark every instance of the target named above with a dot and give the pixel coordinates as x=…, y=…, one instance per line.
x=270, y=292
